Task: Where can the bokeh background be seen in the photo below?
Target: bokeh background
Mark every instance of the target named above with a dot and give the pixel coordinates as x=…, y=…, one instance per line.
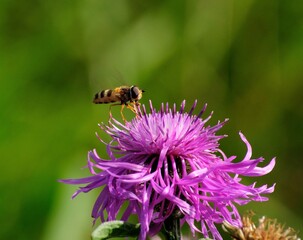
x=244, y=58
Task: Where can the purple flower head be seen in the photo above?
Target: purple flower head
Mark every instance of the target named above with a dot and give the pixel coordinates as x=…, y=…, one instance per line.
x=169, y=162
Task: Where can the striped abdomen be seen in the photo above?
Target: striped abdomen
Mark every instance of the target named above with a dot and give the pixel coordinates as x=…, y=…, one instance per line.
x=106, y=96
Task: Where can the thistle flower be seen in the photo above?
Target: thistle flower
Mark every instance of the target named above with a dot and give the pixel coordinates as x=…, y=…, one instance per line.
x=168, y=163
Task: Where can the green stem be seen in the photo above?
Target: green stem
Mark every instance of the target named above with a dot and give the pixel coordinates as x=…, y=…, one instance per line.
x=171, y=228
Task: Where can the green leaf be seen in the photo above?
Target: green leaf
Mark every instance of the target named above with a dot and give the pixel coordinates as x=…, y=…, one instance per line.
x=113, y=229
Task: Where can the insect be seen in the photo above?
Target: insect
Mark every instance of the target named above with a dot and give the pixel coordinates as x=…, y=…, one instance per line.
x=125, y=95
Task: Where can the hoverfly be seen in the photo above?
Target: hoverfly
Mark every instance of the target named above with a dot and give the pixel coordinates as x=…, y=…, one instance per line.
x=125, y=95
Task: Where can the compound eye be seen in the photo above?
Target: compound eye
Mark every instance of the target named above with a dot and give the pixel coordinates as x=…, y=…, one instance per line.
x=135, y=92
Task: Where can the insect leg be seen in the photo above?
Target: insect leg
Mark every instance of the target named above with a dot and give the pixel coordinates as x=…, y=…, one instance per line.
x=121, y=111
x=110, y=110
x=131, y=107
x=134, y=107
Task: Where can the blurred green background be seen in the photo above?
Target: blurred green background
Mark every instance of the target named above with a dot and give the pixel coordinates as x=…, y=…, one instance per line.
x=244, y=58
